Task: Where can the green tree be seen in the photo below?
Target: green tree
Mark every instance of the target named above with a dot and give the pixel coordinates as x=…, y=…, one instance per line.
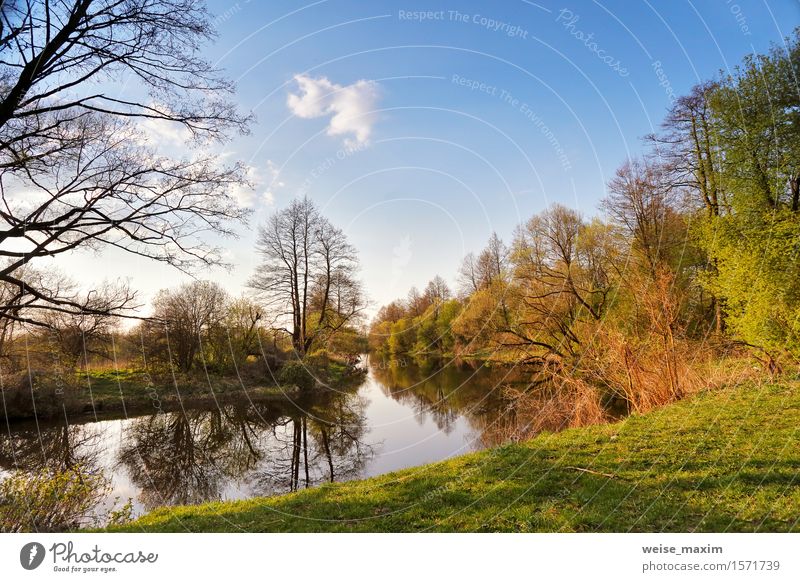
x=755, y=246
x=402, y=336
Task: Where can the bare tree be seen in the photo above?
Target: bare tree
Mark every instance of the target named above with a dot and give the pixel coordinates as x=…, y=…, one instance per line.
x=416, y=302
x=243, y=323
x=8, y=325
x=468, y=277
x=75, y=171
x=689, y=147
x=187, y=315
x=642, y=201
x=307, y=273
x=81, y=335
x=489, y=267
x=492, y=262
x=337, y=297
x=436, y=291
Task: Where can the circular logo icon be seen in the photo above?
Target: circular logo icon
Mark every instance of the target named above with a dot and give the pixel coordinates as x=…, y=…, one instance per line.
x=31, y=555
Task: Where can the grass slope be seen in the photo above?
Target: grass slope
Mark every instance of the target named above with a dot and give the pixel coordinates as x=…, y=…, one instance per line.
x=727, y=460
x=108, y=390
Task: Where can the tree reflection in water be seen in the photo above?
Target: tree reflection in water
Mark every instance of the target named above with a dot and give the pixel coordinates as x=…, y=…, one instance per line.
x=195, y=456
x=57, y=447
x=501, y=404
x=446, y=391
x=325, y=443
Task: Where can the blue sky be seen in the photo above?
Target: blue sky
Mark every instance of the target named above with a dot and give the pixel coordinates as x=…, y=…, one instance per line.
x=420, y=134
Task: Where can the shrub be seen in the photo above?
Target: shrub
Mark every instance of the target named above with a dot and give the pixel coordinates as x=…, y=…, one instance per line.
x=296, y=373
x=48, y=501
x=52, y=392
x=318, y=358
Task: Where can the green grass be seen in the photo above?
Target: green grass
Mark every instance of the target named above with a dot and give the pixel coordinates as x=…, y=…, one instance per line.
x=108, y=389
x=107, y=384
x=727, y=460
x=126, y=391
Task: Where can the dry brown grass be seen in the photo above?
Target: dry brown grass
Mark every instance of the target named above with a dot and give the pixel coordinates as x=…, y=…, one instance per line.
x=553, y=406
x=644, y=373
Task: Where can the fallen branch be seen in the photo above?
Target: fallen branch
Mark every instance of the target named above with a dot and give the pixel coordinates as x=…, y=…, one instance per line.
x=582, y=470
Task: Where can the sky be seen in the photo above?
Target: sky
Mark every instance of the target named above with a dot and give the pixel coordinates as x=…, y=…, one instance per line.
x=420, y=128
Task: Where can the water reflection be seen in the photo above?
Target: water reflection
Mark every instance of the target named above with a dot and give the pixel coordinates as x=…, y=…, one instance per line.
x=56, y=447
x=501, y=404
x=448, y=392
x=324, y=446
x=199, y=455
x=180, y=458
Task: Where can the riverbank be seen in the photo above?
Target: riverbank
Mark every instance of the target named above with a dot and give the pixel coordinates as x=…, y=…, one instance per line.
x=128, y=393
x=724, y=460
x=115, y=392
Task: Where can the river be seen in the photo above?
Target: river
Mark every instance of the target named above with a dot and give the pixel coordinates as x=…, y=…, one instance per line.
x=403, y=414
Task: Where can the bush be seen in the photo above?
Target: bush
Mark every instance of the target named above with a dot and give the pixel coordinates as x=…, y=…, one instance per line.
x=318, y=358
x=52, y=393
x=48, y=501
x=297, y=374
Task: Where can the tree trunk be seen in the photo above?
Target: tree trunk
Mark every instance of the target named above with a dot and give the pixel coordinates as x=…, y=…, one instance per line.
x=326, y=443
x=305, y=451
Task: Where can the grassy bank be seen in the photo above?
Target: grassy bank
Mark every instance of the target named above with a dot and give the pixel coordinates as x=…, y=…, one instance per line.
x=727, y=460
x=131, y=391
x=43, y=395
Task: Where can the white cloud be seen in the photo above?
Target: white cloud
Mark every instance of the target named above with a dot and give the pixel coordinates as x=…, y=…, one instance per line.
x=158, y=132
x=314, y=98
x=350, y=107
x=249, y=196
x=274, y=182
